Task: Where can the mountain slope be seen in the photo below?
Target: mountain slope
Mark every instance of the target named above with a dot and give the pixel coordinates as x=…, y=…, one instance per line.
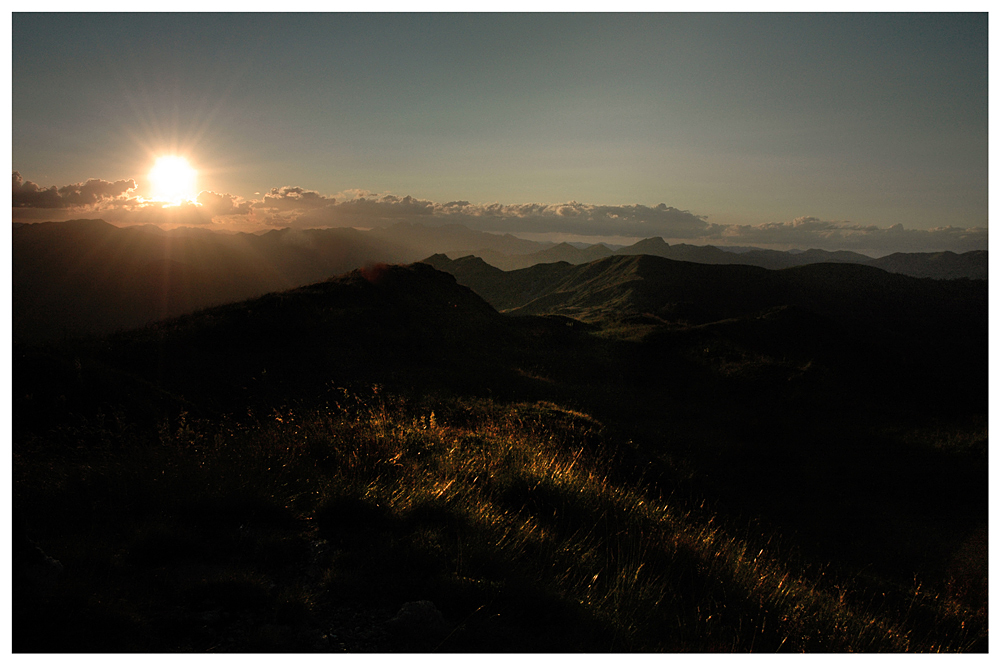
x=89, y=277
x=698, y=293
x=942, y=321
x=937, y=265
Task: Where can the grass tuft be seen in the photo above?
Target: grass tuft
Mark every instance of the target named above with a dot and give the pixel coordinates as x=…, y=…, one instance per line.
x=248, y=535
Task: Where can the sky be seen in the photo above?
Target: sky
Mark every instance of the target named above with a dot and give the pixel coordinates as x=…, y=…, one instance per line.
x=837, y=131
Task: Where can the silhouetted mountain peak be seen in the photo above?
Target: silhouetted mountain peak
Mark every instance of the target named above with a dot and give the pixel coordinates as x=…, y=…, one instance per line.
x=415, y=287
x=434, y=259
x=144, y=228
x=88, y=224
x=474, y=262
x=98, y=225
x=647, y=246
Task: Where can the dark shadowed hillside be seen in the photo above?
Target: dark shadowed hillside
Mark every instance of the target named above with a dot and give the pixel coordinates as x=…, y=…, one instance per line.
x=933, y=319
x=371, y=323
x=763, y=448
x=938, y=265
x=89, y=277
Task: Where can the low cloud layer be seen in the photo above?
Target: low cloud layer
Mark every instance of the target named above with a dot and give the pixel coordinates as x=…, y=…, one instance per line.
x=811, y=232
x=220, y=205
x=299, y=208
x=26, y=194
x=116, y=202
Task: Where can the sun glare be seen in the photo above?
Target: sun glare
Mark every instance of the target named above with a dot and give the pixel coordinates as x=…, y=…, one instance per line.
x=174, y=180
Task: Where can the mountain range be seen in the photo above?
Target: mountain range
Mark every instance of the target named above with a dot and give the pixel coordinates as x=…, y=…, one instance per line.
x=942, y=321
x=836, y=412
x=937, y=265
x=85, y=277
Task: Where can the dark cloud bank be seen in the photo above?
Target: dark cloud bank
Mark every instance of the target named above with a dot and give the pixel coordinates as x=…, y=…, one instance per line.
x=299, y=208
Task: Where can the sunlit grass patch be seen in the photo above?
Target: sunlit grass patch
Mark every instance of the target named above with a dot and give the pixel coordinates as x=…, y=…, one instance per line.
x=514, y=519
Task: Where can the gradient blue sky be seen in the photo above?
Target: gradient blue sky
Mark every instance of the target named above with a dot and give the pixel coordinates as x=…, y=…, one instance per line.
x=869, y=120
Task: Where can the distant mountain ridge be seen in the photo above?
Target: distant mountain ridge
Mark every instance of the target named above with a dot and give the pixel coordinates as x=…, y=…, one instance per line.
x=936, y=265
x=910, y=314
x=85, y=276
x=90, y=277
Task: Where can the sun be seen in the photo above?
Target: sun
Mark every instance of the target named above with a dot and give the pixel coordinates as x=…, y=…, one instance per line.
x=174, y=180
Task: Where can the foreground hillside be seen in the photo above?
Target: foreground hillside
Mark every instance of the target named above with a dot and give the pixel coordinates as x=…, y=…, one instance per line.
x=292, y=472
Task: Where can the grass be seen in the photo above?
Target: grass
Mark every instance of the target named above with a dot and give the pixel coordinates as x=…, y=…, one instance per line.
x=527, y=524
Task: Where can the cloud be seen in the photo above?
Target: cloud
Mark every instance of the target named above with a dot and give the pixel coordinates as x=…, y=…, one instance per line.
x=582, y=219
x=304, y=209
x=368, y=212
x=116, y=203
x=812, y=232
x=218, y=205
x=285, y=199
x=300, y=208
x=26, y=194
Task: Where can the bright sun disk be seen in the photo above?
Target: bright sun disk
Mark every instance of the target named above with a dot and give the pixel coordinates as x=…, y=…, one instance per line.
x=173, y=180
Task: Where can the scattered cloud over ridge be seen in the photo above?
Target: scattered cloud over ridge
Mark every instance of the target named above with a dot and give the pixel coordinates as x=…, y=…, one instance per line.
x=300, y=208
x=366, y=210
x=26, y=194
x=219, y=205
x=293, y=199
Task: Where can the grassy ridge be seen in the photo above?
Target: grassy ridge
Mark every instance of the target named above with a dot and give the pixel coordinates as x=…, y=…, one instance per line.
x=306, y=528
